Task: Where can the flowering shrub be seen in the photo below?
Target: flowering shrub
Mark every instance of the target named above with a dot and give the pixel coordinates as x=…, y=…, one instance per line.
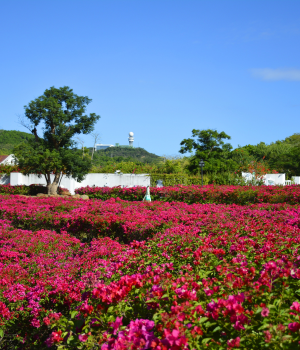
x=31, y=190
x=8, y=168
x=197, y=194
x=130, y=220
x=22, y=189
x=208, y=276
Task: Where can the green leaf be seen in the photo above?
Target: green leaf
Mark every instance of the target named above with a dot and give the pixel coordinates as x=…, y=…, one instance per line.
x=206, y=340
x=258, y=310
x=1, y=332
x=110, y=309
x=217, y=329
x=264, y=326
x=203, y=319
x=74, y=313
x=70, y=338
x=151, y=301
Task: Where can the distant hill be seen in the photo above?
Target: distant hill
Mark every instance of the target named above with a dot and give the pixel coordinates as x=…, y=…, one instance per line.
x=119, y=154
x=11, y=138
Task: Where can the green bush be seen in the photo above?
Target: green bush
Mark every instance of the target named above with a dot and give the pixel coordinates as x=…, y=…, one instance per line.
x=177, y=179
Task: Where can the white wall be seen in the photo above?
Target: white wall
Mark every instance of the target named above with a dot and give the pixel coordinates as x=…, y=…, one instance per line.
x=98, y=180
x=274, y=179
x=296, y=180
x=269, y=179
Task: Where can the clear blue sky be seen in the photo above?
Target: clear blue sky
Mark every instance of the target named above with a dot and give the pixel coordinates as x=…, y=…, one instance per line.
x=158, y=68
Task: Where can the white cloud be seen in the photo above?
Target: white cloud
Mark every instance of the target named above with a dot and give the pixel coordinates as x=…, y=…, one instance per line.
x=277, y=74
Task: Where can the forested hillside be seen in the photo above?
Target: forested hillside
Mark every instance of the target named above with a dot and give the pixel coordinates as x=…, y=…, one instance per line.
x=11, y=138
x=119, y=154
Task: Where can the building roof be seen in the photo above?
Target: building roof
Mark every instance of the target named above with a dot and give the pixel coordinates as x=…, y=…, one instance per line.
x=2, y=158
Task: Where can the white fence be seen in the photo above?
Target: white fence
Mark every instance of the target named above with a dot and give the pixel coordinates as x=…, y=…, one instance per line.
x=296, y=180
x=274, y=179
x=98, y=180
x=124, y=180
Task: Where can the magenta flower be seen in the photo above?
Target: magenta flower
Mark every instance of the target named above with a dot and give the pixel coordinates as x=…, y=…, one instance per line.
x=234, y=343
x=294, y=327
x=83, y=337
x=295, y=306
x=268, y=336
x=36, y=323
x=116, y=325
x=265, y=312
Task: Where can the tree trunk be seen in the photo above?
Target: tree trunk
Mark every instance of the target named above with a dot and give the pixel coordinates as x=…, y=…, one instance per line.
x=48, y=181
x=93, y=152
x=52, y=187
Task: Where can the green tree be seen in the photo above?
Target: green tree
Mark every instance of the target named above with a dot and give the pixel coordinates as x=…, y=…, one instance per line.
x=61, y=113
x=290, y=162
x=209, y=145
x=206, y=142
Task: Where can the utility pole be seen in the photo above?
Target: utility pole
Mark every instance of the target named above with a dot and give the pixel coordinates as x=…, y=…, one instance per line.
x=201, y=163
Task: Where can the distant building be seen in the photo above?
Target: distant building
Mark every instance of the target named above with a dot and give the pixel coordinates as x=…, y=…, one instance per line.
x=7, y=160
x=131, y=139
x=102, y=146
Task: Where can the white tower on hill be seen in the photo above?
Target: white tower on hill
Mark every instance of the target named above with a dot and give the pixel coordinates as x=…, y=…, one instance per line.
x=131, y=139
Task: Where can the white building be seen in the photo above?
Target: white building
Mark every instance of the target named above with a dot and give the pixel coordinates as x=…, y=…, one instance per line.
x=102, y=146
x=7, y=160
x=131, y=138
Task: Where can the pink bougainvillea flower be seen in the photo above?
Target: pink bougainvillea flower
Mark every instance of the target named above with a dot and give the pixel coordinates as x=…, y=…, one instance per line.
x=295, y=306
x=116, y=325
x=54, y=338
x=268, y=336
x=83, y=337
x=36, y=323
x=265, y=312
x=234, y=343
x=294, y=327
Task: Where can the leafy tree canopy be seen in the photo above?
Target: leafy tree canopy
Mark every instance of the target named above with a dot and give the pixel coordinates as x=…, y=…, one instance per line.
x=281, y=155
x=208, y=145
x=61, y=113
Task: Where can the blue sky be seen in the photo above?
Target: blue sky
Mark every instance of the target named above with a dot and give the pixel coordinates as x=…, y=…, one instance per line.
x=158, y=68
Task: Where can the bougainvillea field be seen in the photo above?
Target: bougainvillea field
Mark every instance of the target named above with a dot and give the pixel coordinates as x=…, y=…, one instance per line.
x=118, y=274
x=201, y=194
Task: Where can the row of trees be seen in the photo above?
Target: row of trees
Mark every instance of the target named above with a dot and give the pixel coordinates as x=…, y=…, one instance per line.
x=62, y=116
x=211, y=146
